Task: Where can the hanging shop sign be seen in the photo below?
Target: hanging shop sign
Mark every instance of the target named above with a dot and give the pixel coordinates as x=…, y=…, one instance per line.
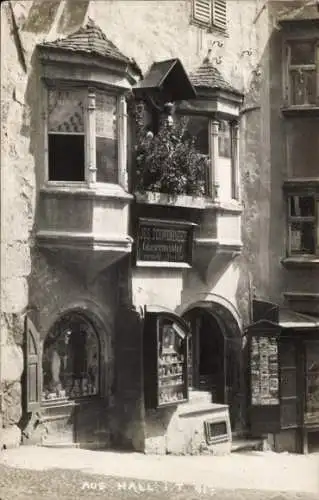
x=161, y=243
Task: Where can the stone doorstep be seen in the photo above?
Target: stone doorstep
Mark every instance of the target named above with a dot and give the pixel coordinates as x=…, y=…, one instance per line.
x=247, y=444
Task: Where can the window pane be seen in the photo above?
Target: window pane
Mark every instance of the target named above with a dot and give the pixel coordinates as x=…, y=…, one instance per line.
x=65, y=111
x=302, y=237
x=66, y=157
x=70, y=360
x=302, y=206
x=224, y=139
x=303, y=146
x=303, y=87
x=106, y=138
x=302, y=52
x=66, y=135
x=197, y=128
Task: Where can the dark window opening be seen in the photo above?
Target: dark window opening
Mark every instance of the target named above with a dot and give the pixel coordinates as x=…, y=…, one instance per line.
x=66, y=157
x=198, y=130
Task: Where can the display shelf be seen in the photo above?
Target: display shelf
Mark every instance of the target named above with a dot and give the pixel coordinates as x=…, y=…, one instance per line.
x=165, y=360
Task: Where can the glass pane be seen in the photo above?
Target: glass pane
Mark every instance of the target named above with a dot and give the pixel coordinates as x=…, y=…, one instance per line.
x=302, y=237
x=303, y=87
x=106, y=138
x=224, y=139
x=66, y=157
x=106, y=160
x=66, y=111
x=70, y=360
x=198, y=129
x=302, y=52
x=302, y=206
x=303, y=146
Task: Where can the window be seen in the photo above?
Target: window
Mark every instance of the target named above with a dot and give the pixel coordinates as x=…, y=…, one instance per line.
x=82, y=135
x=223, y=153
x=210, y=13
x=302, y=71
x=303, y=213
x=198, y=128
x=70, y=360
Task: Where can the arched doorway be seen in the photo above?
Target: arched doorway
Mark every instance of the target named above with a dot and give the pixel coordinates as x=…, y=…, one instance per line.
x=215, y=357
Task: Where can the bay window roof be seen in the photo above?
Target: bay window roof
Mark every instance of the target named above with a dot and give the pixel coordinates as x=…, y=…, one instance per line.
x=208, y=77
x=90, y=40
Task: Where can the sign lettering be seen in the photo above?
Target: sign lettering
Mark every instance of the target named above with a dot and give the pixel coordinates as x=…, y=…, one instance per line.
x=164, y=242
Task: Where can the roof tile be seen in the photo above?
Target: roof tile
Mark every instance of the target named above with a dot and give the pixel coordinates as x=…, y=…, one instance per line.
x=91, y=40
x=210, y=77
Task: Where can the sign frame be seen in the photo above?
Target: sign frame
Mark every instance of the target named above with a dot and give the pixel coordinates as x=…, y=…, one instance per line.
x=170, y=226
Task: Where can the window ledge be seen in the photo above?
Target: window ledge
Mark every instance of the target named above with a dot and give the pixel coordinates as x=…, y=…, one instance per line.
x=301, y=261
x=312, y=110
x=83, y=190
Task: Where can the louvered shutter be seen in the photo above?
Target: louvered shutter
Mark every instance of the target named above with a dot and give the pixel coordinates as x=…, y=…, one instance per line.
x=219, y=14
x=32, y=367
x=202, y=11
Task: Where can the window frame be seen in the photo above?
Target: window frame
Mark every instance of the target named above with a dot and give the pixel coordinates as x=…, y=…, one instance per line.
x=213, y=131
x=214, y=23
x=288, y=68
x=293, y=219
x=89, y=121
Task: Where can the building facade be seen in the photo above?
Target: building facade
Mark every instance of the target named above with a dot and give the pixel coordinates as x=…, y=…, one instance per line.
x=147, y=170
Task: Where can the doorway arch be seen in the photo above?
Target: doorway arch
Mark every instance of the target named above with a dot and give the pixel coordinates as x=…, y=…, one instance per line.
x=216, y=352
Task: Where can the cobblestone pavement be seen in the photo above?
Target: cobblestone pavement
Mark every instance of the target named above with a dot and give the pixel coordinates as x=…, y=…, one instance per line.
x=54, y=484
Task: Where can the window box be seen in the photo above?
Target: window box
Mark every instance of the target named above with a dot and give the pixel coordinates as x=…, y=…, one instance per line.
x=178, y=200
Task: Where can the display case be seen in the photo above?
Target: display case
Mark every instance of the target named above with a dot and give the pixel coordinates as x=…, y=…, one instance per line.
x=165, y=358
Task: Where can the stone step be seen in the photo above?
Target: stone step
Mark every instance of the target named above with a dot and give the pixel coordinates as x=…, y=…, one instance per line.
x=247, y=444
x=200, y=397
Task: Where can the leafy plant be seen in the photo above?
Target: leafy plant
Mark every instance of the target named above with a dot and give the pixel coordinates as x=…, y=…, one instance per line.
x=168, y=162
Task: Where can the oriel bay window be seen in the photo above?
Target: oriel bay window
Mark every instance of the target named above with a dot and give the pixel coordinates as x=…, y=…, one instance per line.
x=303, y=222
x=83, y=127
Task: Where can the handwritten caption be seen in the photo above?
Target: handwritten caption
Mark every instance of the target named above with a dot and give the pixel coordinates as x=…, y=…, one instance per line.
x=147, y=487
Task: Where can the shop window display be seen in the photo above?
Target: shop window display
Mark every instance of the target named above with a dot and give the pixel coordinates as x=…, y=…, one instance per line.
x=70, y=360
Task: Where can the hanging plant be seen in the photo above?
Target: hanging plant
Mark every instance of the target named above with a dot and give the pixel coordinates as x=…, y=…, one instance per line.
x=168, y=162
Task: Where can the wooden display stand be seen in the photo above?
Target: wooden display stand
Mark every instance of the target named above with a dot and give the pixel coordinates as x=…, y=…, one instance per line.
x=165, y=359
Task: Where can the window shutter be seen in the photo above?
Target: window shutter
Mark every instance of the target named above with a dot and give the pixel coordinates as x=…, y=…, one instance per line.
x=219, y=15
x=202, y=11
x=32, y=367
